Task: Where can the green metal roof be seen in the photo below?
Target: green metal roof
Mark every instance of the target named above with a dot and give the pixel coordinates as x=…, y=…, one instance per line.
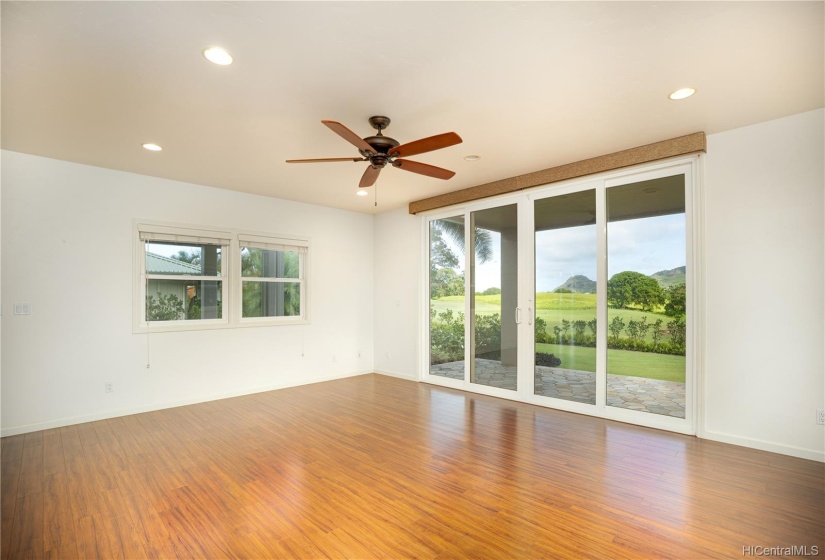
x=157, y=264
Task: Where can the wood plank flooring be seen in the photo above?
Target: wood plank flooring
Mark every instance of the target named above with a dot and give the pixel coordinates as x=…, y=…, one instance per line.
x=377, y=467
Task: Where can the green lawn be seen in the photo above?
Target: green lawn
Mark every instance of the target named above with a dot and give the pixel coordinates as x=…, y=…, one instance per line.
x=620, y=362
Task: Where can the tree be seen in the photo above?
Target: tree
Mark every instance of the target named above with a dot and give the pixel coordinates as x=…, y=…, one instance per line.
x=630, y=287
x=446, y=282
x=648, y=293
x=191, y=257
x=441, y=256
x=455, y=231
x=252, y=266
x=615, y=327
x=633, y=329
x=541, y=329
x=678, y=331
x=578, y=331
x=565, y=327
x=675, y=300
x=491, y=291
x=444, y=279
x=658, y=332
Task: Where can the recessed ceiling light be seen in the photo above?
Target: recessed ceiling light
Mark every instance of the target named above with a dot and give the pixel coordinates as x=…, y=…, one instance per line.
x=472, y=157
x=362, y=192
x=218, y=56
x=682, y=93
x=152, y=147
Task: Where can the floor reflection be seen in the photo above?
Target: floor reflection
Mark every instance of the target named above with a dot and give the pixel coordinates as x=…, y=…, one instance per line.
x=623, y=391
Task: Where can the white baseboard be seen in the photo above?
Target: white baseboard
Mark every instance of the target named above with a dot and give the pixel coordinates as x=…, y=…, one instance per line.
x=59, y=423
x=407, y=376
x=764, y=445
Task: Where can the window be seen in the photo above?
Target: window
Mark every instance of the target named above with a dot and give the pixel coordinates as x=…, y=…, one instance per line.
x=271, y=277
x=189, y=278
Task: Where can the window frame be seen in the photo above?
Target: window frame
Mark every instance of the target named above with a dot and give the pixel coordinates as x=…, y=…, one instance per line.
x=272, y=243
x=230, y=241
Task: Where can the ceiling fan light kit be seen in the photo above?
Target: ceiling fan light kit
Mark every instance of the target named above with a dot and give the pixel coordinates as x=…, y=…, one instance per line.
x=380, y=150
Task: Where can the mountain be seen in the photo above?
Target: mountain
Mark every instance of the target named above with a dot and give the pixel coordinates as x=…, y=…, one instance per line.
x=579, y=285
x=667, y=278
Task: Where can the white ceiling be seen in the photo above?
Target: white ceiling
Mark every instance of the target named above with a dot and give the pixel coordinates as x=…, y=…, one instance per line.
x=528, y=85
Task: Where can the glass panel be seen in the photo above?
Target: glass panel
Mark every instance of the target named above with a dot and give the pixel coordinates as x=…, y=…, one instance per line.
x=494, y=289
x=261, y=263
x=183, y=300
x=176, y=258
x=565, y=317
x=447, y=297
x=271, y=299
x=646, y=286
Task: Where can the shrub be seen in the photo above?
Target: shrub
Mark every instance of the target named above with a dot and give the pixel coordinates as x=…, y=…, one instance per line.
x=678, y=331
x=548, y=360
x=616, y=326
x=488, y=334
x=167, y=307
x=541, y=330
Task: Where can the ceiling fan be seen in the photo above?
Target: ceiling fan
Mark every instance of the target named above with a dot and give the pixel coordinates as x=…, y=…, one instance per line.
x=380, y=150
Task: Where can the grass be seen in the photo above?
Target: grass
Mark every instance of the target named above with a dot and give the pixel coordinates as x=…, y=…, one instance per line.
x=620, y=362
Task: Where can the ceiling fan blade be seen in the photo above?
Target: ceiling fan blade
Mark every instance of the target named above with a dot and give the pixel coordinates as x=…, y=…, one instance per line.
x=324, y=159
x=349, y=136
x=426, y=145
x=369, y=177
x=423, y=169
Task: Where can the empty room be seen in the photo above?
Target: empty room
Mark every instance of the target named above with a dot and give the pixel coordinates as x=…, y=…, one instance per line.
x=412, y=279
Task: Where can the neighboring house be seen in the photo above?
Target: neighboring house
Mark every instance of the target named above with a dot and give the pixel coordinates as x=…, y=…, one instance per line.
x=157, y=264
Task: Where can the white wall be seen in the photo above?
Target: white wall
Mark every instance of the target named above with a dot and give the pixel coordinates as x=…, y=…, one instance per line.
x=67, y=249
x=397, y=301
x=763, y=219
x=764, y=199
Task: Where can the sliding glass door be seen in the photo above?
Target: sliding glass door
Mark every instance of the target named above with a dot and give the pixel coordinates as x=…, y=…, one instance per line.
x=494, y=274
x=566, y=292
x=445, y=294
x=577, y=297
x=646, y=291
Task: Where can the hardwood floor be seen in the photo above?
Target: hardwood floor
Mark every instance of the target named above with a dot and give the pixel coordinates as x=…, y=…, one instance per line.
x=374, y=466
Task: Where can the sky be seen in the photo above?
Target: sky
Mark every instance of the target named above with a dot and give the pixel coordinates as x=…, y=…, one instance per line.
x=646, y=245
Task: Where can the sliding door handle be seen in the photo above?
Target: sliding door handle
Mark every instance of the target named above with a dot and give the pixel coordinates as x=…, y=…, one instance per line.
x=529, y=315
x=518, y=315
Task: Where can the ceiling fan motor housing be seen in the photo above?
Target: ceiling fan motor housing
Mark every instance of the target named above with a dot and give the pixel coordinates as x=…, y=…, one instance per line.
x=381, y=144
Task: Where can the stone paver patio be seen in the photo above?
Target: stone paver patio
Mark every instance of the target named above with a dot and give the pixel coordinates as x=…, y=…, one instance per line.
x=623, y=391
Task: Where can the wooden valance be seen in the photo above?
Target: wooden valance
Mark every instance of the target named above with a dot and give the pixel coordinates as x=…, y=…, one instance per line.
x=690, y=144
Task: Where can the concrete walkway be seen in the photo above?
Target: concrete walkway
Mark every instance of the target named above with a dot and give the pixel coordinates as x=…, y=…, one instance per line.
x=623, y=391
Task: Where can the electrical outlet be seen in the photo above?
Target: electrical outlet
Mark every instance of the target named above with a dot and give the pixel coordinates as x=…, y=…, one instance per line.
x=334, y=359
x=23, y=308
x=359, y=353
x=820, y=416
x=388, y=356
x=109, y=387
